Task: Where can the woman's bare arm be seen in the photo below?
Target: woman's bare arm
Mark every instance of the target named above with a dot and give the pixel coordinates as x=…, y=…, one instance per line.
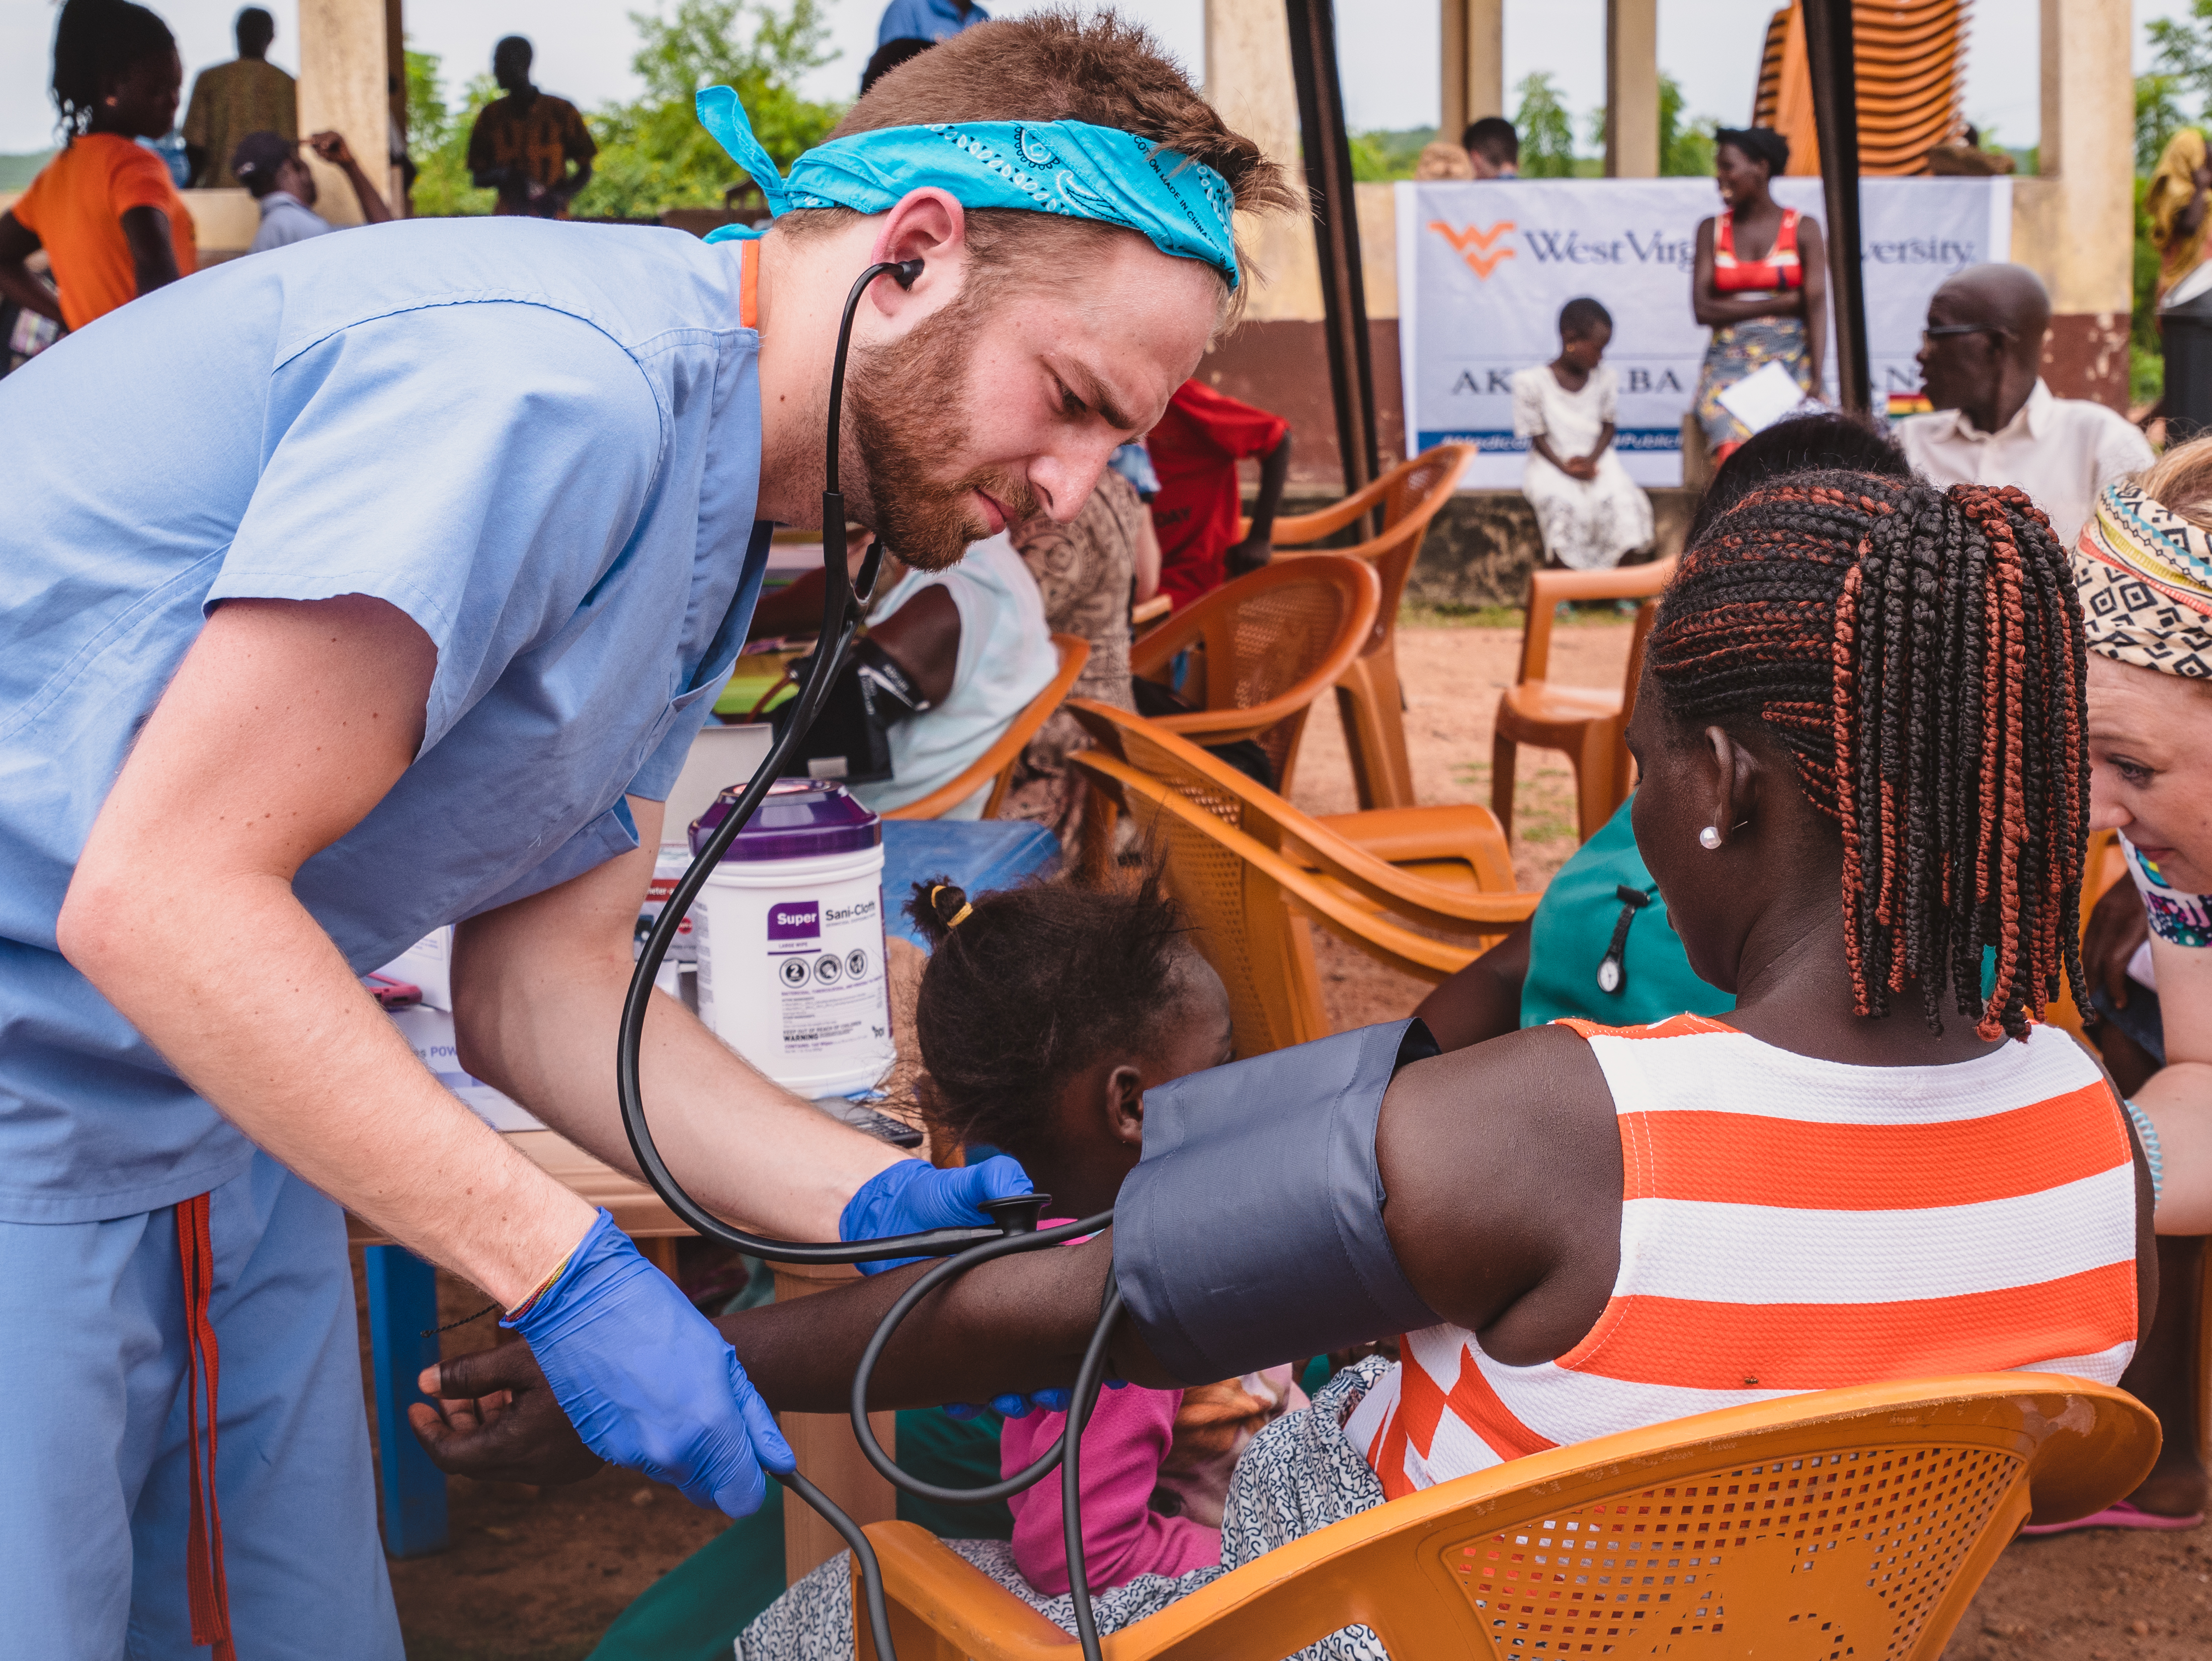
x=153, y=256
x=1712, y=308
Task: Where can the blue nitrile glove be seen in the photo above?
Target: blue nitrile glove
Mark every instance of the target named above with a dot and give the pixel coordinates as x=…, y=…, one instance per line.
x=913, y=1196
x=647, y=1380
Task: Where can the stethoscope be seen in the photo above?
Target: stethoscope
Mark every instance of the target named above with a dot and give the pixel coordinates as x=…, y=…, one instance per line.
x=844, y=603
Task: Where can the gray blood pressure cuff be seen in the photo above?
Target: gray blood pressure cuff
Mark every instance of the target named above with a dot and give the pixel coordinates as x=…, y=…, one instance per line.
x=1251, y=1232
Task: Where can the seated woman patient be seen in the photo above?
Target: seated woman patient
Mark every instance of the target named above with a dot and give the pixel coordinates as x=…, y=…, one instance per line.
x=1861, y=737
x=1045, y=1013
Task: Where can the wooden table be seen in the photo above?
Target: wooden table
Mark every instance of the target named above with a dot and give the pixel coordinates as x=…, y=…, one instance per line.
x=403, y=1321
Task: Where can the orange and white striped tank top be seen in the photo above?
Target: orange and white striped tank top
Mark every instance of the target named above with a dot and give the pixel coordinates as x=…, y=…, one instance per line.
x=1787, y=1225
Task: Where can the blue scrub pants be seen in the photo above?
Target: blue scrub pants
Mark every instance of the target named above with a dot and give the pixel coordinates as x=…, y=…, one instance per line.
x=94, y=1482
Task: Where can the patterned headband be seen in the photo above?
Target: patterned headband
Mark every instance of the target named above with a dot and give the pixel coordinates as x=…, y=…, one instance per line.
x=2144, y=574
x=1068, y=167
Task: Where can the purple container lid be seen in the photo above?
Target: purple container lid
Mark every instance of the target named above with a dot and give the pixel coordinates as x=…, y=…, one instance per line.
x=800, y=818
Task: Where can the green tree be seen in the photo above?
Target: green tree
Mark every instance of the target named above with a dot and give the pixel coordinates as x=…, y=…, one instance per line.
x=1547, y=132
x=2158, y=117
x=1684, y=151
x=437, y=139
x=1384, y=154
x=2181, y=49
x=653, y=154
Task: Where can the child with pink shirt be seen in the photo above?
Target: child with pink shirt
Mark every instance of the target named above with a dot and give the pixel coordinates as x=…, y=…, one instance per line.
x=1045, y=1014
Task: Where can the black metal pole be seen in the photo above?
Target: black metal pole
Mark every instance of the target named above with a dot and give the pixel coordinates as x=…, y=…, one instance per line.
x=1829, y=56
x=1336, y=235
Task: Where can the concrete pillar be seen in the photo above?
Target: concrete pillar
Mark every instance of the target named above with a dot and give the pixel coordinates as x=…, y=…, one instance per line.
x=344, y=85
x=395, y=89
x=1473, y=62
x=1248, y=80
x=2078, y=218
x=1631, y=89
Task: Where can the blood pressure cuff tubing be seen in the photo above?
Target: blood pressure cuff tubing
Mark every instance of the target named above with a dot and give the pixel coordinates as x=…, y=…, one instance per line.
x=1251, y=1232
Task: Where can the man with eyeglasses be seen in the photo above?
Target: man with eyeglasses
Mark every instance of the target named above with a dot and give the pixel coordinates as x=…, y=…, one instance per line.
x=1995, y=421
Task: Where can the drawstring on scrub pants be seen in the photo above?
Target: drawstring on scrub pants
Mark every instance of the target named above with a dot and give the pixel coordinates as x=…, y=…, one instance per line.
x=209, y=1592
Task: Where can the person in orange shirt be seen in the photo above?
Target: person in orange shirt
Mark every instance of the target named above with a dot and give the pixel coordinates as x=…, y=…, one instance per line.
x=112, y=225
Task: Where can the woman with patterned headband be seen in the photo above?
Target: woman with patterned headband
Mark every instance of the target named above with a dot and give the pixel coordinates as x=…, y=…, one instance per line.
x=2143, y=568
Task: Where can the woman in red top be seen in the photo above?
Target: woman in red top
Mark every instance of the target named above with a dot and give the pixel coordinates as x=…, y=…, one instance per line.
x=112, y=225
x=1761, y=283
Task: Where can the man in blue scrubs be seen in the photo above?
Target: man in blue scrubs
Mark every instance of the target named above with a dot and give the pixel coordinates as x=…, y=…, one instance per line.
x=396, y=601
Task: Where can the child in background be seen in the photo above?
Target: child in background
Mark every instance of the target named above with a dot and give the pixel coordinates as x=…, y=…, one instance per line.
x=1195, y=449
x=1589, y=511
x=1045, y=1014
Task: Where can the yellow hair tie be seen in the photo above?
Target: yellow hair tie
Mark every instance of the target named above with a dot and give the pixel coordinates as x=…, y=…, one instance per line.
x=959, y=916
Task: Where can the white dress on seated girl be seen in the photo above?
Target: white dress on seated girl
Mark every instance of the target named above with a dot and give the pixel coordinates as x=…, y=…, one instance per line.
x=1006, y=658
x=1588, y=524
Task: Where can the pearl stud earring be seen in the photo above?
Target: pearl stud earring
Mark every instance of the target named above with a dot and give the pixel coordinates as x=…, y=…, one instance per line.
x=1709, y=837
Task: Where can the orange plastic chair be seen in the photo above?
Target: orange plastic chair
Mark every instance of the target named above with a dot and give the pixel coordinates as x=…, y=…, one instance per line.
x=1261, y=650
x=1844, y=1522
x=1588, y=722
x=1250, y=902
x=995, y=766
x=1368, y=695
x=1444, y=868
x=2102, y=866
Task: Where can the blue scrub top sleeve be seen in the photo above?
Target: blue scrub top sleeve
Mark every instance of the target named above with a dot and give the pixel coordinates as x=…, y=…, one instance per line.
x=479, y=467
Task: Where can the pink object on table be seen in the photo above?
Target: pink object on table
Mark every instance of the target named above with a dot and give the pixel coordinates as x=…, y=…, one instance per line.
x=1123, y=1446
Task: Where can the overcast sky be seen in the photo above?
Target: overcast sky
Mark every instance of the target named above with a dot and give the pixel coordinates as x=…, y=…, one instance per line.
x=1388, y=61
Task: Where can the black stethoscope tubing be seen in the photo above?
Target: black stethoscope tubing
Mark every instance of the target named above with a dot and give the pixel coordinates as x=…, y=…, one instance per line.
x=963, y=1249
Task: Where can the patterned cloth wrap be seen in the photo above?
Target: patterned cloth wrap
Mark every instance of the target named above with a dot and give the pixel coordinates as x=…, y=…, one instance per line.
x=1068, y=167
x=1739, y=349
x=1296, y=1475
x=2177, y=918
x=2144, y=574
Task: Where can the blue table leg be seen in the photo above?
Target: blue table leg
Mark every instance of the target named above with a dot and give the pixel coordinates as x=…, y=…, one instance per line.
x=402, y=1305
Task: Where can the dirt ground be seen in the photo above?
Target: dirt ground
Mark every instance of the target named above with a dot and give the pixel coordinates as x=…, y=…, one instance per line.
x=538, y=1576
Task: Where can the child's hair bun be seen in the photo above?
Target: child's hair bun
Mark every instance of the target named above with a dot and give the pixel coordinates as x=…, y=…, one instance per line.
x=936, y=906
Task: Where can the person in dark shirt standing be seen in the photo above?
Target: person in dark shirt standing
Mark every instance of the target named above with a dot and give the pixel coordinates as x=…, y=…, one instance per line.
x=1195, y=448
x=522, y=144
x=249, y=95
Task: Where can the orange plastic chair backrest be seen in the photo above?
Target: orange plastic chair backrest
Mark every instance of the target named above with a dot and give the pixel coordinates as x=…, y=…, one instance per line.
x=1410, y=495
x=1268, y=645
x=1268, y=820
x=1244, y=927
x=1843, y=1523
x=1549, y=590
x=996, y=764
x=1247, y=900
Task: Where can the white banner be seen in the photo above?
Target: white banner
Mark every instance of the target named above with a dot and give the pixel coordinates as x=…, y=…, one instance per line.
x=1483, y=269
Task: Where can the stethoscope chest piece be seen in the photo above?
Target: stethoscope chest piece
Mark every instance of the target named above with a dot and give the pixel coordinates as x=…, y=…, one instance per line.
x=1612, y=968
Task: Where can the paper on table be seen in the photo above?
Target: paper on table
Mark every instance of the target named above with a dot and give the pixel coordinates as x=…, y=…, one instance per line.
x=430, y=1032
x=1764, y=396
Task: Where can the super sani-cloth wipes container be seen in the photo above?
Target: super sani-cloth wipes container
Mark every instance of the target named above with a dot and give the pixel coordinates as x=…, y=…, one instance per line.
x=790, y=937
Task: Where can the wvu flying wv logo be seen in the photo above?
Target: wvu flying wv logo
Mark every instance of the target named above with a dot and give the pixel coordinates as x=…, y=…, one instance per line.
x=1474, y=244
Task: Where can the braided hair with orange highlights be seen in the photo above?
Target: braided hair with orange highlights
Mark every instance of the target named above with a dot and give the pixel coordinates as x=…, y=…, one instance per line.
x=1919, y=654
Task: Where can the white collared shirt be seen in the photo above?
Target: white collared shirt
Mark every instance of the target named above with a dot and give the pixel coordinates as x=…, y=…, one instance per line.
x=285, y=220
x=2062, y=451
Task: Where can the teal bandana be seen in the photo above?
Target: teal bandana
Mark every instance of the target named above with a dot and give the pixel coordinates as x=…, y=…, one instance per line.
x=1181, y=206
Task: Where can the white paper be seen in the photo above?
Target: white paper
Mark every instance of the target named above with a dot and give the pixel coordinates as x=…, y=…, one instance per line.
x=1763, y=397
x=428, y=964
x=430, y=1032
